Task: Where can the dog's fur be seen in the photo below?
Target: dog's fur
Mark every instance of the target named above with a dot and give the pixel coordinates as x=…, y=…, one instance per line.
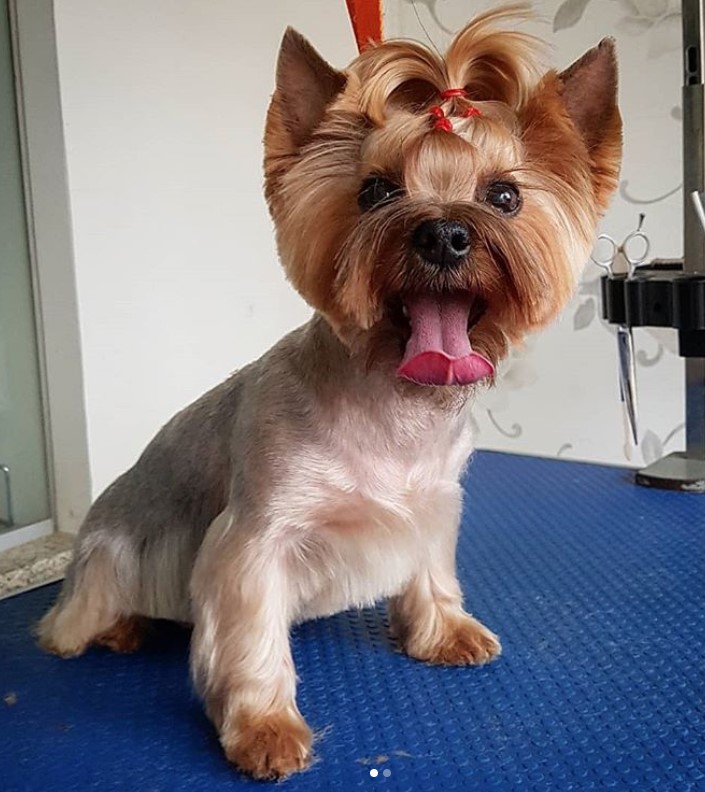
x=316, y=479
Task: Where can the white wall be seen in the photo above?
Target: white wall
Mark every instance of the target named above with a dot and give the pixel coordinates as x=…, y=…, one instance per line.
x=178, y=284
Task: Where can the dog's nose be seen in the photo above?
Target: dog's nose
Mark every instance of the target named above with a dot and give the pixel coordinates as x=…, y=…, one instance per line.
x=442, y=242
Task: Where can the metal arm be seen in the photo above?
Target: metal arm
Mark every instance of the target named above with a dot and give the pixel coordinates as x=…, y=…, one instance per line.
x=694, y=180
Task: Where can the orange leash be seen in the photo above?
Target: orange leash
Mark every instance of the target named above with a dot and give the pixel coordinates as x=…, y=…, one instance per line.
x=366, y=18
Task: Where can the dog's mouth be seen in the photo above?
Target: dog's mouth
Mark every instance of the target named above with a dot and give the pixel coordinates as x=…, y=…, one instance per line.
x=438, y=349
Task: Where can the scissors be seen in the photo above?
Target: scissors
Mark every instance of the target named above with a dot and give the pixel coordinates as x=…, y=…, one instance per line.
x=633, y=252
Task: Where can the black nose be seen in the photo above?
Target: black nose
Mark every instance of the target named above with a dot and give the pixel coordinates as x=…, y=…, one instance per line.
x=442, y=242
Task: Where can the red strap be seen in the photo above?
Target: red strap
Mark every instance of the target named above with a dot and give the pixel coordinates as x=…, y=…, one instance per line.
x=366, y=18
x=444, y=124
x=452, y=93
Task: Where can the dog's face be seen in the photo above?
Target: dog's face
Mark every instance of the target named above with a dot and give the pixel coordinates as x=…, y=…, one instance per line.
x=436, y=210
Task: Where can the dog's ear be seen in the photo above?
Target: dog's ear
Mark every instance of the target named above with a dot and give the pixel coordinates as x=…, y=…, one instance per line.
x=589, y=92
x=305, y=86
x=573, y=115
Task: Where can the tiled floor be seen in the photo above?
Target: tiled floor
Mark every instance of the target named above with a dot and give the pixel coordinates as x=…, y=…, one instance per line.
x=34, y=563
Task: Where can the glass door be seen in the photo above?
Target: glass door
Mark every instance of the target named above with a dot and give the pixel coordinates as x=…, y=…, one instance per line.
x=24, y=490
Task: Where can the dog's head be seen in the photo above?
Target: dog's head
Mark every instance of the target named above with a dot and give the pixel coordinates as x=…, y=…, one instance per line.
x=435, y=210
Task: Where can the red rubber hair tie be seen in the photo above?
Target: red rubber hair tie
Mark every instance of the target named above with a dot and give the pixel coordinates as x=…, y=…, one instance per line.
x=444, y=124
x=440, y=120
x=471, y=112
x=453, y=93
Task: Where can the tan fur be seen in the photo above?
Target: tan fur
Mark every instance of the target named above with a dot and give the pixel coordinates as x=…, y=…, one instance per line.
x=82, y=615
x=494, y=68
x=125, y=636
x=315, y=479
x=269, y=746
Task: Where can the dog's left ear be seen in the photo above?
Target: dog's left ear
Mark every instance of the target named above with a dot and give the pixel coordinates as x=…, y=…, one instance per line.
x=577, y=109
x=589, y=92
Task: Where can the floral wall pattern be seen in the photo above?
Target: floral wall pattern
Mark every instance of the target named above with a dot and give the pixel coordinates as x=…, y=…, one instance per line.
x=558, y=396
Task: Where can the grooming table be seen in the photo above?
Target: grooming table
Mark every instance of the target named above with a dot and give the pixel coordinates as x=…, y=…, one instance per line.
x=596, y=587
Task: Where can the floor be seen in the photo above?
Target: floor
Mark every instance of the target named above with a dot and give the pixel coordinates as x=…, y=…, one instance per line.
x=34, y=563
x=596, y=587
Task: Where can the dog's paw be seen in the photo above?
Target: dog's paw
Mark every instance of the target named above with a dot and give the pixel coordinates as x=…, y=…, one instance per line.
x=61, y=648
x=125, y=636
x=55, y=639
x=269, y=746
x=462, y=641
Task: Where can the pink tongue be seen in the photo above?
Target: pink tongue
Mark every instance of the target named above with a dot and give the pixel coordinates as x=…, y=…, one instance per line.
x=438, y=351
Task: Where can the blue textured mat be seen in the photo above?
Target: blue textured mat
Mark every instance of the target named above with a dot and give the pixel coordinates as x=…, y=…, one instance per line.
x=596, y=587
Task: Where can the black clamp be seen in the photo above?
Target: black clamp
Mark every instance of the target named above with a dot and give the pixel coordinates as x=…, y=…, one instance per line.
x=659, y=294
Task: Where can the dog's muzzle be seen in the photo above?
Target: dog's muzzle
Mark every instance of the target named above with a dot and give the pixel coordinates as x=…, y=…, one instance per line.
x=444, y=243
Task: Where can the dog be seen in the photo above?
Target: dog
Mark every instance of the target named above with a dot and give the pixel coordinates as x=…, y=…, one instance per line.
x=433, y=211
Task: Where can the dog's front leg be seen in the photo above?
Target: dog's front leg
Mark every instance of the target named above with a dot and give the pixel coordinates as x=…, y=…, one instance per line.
x=241, y=659
x=428, y=619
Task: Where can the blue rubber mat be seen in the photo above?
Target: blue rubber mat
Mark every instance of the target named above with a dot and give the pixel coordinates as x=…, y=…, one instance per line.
x=596, y=587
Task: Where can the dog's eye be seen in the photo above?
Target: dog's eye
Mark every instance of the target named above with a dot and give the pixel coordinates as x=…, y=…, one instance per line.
x=377, y=191
x=503, y=196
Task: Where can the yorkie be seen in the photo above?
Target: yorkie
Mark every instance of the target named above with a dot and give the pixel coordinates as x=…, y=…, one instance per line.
x=432, y=210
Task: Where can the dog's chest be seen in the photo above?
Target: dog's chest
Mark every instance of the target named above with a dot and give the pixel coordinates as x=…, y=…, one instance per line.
x=383, y=460
x=370, y=500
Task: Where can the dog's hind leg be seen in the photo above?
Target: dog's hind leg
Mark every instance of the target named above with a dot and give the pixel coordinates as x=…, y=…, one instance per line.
x=96, y=605
x=125, y=636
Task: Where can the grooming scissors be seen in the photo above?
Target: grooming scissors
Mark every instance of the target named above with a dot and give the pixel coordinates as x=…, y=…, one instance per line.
x=633, y=251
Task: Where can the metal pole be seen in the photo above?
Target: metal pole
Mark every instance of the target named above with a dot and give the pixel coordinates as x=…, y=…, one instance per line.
x=10, y=521
x=694, y=180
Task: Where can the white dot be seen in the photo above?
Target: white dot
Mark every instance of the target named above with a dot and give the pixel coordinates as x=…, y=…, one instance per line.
x=374, y=772
x=386, y=773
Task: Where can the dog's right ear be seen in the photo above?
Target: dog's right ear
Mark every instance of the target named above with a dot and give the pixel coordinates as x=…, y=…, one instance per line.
x=305, y=86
